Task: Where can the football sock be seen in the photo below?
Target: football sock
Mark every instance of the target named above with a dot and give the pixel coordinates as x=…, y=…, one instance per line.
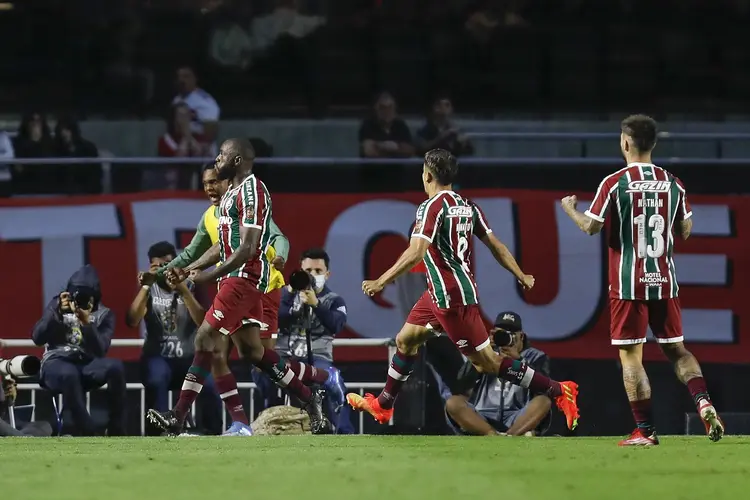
x=642, y=415
x=193, y=383
x=398, y=373
x=226, y=386
x=307, y=374
x=282, y=375
x=698, y=389
x=519, y=373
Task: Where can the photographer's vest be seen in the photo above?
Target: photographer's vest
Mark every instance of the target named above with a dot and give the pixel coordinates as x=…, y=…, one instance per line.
x=170, y=331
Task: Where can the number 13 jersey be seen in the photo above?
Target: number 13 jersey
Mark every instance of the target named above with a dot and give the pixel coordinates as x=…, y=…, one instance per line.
x=646, y=202
x=448, y=221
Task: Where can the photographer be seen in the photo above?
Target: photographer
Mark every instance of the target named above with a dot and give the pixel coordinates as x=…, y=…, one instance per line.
x=486, y=405
x=8, y=393
x=171, y=316
x=320, y=313
x=77, y=331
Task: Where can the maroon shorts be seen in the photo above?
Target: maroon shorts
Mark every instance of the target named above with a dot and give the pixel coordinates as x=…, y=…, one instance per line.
x=271, y=301
x=238, y=302
x=462, y=324
x=630, y=320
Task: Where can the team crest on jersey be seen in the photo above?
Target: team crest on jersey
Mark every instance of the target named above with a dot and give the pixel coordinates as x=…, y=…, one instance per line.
x=227, y=203
x=649, y=186
x=460, y=212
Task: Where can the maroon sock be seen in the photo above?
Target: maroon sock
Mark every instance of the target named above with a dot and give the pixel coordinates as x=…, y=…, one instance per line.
x=191, y=387
x=226, y=386
x=401, y=367
x=698, y=389
x=518, y=372
x=642, y=415
x=282, y=375
x=306, y=373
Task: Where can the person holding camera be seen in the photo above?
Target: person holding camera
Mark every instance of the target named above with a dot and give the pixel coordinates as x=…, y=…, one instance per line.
x=77, y=331
x=487, y=405
x=313, y=309
x=8, y=393
x=171, y=315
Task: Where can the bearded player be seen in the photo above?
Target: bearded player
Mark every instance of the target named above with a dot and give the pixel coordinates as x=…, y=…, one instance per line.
x=442, y=238
x=244, y=276
x=649, y=203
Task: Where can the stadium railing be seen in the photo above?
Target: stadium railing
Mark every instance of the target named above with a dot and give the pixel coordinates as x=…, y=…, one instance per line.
x=134, y=386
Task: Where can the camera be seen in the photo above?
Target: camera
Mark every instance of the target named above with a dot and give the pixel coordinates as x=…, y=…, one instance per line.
x=301, y=280
x=20, y=366
x=82, y=298
x=503, y=338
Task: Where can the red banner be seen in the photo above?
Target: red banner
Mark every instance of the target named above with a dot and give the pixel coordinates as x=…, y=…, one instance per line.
x=43, y=241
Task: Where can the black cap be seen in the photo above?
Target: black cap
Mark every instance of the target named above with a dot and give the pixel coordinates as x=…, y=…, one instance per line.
x=509, y=321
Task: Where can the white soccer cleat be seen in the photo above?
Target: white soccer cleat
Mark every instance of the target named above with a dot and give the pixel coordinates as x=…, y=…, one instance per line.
x=711, y=420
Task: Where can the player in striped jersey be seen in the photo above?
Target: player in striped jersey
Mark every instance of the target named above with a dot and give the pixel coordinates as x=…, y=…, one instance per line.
x=237, y=310
x=442, y=239
x=647, y=205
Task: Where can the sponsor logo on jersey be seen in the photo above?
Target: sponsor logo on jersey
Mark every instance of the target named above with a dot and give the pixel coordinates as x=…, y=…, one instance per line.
x=225, y=220
x=460, y=212
x=418, y=227
x=648, y=186
x=653, y=279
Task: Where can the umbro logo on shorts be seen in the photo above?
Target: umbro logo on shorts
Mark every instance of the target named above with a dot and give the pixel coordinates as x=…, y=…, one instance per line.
x=218, y=315
x=462, y=343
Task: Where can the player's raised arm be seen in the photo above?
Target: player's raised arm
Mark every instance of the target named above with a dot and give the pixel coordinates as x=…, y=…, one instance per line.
x=589, y=222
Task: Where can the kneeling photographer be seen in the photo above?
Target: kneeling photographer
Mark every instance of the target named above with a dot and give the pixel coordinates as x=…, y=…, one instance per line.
x=10, y=369
x=485, y=405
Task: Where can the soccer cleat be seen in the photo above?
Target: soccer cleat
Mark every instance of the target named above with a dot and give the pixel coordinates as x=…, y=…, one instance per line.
x=567, y=403
x=712, y=421
x=238, y=429
x=335, y=388
x=319, y=424
x=167, y=422
x=639, y=438
x=370, y=404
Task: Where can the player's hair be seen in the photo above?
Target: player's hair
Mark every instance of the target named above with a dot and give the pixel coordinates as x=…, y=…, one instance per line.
x=642, y=129
x=443, y=166
x=243, y=147
x=207, y=167
x=160, y=250
x=316, y=253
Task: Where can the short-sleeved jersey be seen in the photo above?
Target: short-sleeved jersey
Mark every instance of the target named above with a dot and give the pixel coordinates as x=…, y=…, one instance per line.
x=646, y=202
x=448, y=221
x=248, y=204
x=170, y=331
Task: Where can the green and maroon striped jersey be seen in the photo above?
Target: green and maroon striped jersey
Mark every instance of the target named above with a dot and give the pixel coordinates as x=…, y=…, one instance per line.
x=448, y=221
x=646, y=201
x=248, y=204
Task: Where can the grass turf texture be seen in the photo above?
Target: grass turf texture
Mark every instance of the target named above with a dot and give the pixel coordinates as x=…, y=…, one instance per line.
x=368, y=468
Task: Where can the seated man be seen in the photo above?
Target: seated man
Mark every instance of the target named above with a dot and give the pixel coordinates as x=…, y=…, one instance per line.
x=487, y=406
x=77, y=331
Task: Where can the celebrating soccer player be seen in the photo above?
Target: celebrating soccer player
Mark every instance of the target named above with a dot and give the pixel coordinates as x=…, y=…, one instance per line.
x=442, y=237
x=237, y=309
x=648, y=203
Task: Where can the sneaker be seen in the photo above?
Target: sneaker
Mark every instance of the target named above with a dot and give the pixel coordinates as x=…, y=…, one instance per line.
x=166, y=421
x=335, y=388
x=369, y=403
x=639, y=438
x=567, y=403
x=319, y=424
x=238, y=429
x=711, y=420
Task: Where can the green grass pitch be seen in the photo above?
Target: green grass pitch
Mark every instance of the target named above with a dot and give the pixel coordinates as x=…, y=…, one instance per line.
x=372, y=467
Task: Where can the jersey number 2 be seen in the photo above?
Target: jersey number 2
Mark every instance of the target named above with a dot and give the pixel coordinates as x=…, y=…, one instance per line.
x=656, y=227
x=463, y=245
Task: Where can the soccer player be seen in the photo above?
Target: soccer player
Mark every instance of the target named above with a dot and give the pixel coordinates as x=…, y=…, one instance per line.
x=237, y=309
x=442, y=237
x=648, y=203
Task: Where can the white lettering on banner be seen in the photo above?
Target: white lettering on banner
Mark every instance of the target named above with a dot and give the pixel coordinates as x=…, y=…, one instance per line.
x=580, y=267
x=160, y=220
x=62, y=230
x=346, y=243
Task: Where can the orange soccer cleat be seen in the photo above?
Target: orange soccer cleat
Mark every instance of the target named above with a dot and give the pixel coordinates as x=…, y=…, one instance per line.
x=567, y=403
x=370, y=404
x=640, y=438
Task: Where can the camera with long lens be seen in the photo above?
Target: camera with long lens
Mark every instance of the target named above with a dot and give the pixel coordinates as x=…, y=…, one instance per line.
x=301, y=280
x=20, y=366
x=503, y=338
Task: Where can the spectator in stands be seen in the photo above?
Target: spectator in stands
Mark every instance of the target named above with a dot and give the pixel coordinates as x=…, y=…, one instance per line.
x=34, y=140
x=81, y=178
x=171, y=316
x=327, y=318
x=178, y=141
x=284, y=20
x=385, y=135
x=204, y=110
x=77, y=330
x=6, y=153
x=441, y=132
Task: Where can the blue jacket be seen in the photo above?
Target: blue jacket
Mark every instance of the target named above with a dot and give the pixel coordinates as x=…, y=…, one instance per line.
x=77, y=343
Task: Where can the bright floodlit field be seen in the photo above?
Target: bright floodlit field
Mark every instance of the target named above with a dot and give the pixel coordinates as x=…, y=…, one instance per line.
x=372, y=467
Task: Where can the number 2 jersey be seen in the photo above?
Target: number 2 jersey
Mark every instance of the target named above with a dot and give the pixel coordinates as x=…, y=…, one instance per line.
x=246, y=205
x=448, y=221
x=646, y=202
